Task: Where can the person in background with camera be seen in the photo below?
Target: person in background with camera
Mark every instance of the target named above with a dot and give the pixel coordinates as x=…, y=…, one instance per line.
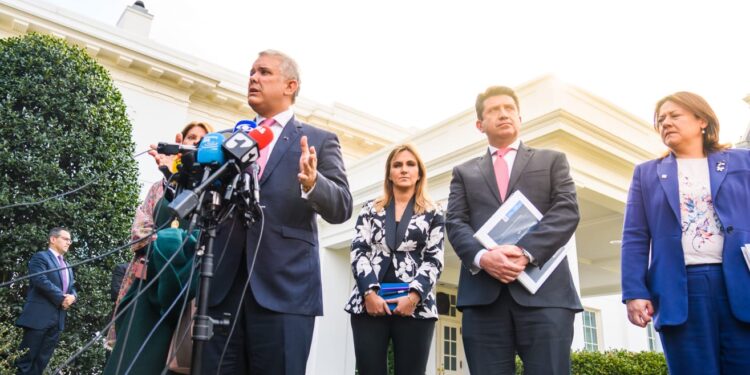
x=686, y=220
x=398, y=242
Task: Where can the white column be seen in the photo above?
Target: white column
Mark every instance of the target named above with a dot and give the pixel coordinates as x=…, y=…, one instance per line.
x=332, y=350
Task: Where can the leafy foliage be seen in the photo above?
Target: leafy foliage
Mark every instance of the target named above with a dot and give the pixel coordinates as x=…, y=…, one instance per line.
x=63, y=124
x=613, y=362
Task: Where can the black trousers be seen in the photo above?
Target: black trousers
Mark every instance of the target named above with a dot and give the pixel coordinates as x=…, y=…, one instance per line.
x=494, y=333
x=40, y=343
x=263, y=342
x=411, y=343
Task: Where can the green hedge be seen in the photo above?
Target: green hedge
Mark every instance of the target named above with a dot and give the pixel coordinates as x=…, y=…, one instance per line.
x=63, y=124
x=613, y=362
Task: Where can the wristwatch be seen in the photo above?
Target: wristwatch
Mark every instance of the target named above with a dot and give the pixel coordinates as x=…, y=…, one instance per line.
x=367, y=292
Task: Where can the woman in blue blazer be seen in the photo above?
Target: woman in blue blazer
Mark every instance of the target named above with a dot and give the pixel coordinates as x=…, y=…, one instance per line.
x=686, y=219
x=399, y=240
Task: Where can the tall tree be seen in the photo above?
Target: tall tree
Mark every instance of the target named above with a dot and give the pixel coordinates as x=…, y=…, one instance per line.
x=63, y=125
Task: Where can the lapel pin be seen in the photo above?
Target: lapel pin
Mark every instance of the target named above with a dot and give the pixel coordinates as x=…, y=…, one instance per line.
x=721, y=166
x=663, y=177
x=286, y=138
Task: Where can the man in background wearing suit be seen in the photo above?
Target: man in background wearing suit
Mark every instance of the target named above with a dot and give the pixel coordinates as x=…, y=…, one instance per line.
x=51, y=294
x=500, y=317
x=302, y=176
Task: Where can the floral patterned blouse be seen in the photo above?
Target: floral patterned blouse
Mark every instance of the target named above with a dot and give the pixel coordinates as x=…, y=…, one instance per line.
x=702, y=234
x=418, y=260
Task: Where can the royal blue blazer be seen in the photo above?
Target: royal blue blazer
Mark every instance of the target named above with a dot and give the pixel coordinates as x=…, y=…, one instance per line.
x=653, y=262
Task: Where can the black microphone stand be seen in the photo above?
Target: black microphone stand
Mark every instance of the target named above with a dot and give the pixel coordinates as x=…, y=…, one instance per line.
x=203, y=325
x=206, y=203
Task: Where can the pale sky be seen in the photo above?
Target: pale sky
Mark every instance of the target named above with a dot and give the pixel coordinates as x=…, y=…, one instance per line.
x=415, y=63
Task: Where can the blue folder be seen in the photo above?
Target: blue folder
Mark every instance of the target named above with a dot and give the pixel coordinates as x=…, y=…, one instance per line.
x=392, y=291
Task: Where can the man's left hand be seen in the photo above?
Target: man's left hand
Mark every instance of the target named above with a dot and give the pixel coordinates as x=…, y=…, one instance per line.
x=67, y=301
x=308, y=164
x=514, y=254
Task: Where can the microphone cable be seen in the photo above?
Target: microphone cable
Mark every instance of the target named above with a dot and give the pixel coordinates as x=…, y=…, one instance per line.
x=120, y=309
x=119, y=313
x=89, y=260
x=164, y=316
x=34, y=203
x=173, y=353
x=140, y=288
x=244, y=289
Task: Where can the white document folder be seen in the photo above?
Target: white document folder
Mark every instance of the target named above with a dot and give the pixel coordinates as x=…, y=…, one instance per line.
x=508, y=225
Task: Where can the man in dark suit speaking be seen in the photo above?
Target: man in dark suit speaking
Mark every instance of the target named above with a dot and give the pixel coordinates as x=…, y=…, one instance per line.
x=50, y=296
x=302, y=176
x=500, y=317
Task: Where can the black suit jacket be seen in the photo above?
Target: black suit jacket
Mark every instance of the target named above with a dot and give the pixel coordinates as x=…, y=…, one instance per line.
x=286, y=276
x=43, y=308
x=543, y=176
x=118, y=273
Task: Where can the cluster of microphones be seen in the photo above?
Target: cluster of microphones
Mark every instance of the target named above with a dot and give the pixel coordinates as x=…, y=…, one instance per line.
x=223, y=161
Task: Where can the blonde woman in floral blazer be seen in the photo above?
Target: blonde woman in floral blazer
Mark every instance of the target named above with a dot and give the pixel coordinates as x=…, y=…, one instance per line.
x=399, y=239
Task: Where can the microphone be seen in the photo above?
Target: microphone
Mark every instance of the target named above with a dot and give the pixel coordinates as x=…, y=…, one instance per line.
x=167, y=148
x=245, y=147
x=210, y=150
x=263, y=135
x=244, y=126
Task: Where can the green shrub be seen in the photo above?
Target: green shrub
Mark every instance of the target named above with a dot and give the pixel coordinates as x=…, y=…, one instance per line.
x=62, y=125
x=613, y=362
x=620, y=362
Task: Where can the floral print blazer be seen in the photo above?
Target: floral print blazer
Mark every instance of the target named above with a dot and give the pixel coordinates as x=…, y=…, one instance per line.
x=418, y=259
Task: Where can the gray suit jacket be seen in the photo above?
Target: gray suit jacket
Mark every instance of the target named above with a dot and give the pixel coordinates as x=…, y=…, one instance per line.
x=543, y=176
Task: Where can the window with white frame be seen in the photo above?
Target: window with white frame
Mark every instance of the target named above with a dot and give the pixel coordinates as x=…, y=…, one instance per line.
x=591, y=330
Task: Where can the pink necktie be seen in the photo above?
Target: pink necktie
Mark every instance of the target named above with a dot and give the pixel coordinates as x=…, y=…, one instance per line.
x=263, y=158
x=63, y=273
x=501, y=172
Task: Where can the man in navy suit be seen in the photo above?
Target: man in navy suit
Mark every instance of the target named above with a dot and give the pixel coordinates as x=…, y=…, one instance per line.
x=302, y=176
x=50, y=296
x=500, y=317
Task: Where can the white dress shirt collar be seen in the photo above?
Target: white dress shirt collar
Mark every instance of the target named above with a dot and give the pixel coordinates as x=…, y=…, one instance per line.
x=282, y=118
x=513, y=146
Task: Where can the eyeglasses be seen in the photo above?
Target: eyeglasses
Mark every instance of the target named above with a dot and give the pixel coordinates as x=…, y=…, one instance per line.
x=66, y=239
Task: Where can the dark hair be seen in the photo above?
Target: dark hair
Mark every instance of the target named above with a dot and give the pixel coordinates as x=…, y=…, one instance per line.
x=701, y=110
x=494, y=91
x=55, y=232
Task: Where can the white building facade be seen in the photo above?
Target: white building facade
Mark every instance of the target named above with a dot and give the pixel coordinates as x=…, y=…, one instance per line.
x=165, y=89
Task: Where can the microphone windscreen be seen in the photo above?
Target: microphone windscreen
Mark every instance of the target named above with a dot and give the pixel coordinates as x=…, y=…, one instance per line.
x=245, y=126
x=209, y=150
x=263, y=135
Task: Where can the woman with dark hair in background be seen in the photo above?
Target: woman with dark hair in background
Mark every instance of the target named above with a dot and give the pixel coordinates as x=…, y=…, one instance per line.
x=686, y=221
x=399, y=241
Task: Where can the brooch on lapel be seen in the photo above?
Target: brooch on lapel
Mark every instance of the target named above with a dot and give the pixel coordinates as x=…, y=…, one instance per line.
x=721, y=166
